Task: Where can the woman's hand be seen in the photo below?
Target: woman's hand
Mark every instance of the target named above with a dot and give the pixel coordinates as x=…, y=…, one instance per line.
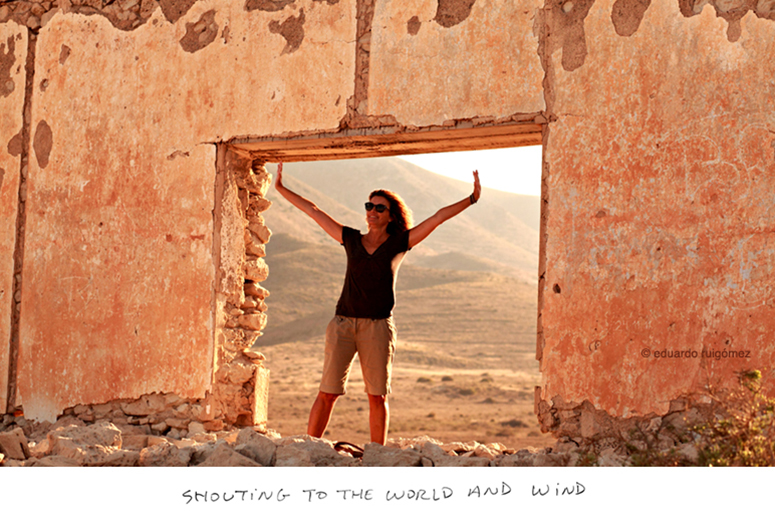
x=477, y=187
x=421, y=231
x=279, y=182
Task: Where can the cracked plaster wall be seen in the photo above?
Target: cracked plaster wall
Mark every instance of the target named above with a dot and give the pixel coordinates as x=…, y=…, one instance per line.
x=659, y=229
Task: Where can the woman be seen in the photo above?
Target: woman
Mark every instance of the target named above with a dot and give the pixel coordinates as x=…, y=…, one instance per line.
x=363, y=322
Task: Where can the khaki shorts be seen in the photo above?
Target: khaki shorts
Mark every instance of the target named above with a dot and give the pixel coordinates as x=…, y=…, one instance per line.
x=374, y=340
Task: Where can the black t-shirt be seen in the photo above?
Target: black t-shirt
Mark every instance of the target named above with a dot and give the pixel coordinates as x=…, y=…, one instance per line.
x=370, y=280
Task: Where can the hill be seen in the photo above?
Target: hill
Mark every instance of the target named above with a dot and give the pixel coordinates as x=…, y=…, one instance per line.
x=501, y=230
x=450, y=308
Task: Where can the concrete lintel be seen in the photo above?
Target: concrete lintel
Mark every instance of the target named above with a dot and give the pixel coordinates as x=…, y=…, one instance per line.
x=378, y=142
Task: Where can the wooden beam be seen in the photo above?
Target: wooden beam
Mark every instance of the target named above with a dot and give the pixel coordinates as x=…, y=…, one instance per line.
x=351, y=144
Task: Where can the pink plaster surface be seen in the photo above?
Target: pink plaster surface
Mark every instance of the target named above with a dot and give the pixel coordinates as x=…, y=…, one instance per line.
x=119, y=267
x=118, y=277
x=487, y=65
x=11, y=106
x=661, y=222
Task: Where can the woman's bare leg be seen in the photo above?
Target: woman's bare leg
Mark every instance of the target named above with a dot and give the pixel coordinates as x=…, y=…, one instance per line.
x=379, y=418
x=320, y=414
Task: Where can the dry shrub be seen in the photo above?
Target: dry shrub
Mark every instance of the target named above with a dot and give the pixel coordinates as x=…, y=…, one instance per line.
x=737, y=428
x=743, y=432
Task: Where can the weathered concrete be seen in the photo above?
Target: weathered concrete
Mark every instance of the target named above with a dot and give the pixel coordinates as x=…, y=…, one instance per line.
x=659, y=231
x=486, y=64
x=13, y=52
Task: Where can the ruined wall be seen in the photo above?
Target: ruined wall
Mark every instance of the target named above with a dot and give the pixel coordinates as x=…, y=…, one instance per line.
x=138, y=275
x=119, y=264
x=659, y=191
x=143, y=245
x=13, y=52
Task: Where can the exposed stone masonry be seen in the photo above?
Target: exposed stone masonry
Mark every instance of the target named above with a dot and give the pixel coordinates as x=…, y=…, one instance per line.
x=131, y=14
x=292, y=29
x=582, y=428
x=124, y=14
x=201, y=33
x=240, y=389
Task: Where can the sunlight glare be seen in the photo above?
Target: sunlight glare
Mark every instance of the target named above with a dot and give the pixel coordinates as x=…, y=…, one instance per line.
x=515, y=170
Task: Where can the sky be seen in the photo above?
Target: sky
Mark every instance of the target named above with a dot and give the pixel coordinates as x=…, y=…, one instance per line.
x=516, y=170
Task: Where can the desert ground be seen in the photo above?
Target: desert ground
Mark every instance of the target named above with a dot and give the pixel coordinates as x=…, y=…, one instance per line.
x=465, y=367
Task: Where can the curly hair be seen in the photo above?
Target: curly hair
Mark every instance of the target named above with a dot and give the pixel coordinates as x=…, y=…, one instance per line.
x=401, y=214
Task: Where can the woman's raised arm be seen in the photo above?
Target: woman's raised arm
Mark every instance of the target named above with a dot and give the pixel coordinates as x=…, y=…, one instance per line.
x=424, y=229
x=328, y=224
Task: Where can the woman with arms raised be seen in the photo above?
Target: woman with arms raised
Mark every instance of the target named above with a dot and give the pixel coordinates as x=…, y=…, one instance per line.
x=363, y=322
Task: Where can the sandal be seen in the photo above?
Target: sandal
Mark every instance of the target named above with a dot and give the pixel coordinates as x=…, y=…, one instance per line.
x=349, y=448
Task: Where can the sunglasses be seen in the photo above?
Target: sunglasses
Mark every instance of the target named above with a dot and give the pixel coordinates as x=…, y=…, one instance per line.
x=380, y=208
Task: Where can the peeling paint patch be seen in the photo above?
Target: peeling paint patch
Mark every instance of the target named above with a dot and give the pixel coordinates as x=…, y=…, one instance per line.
x=730, y=10
x=329, y=2
x=2, y=175
x=267, y=5
x=766, y=9
x=451, y=12
x=413, y=25
x=44, y=140
x=292, y=29
x=201, y=33
x=565, y=23
x=174, y=10
x=43, y=85
x=358, y=104
x=15, y=145
x=176, y=154
x=125, y=16
x=64, y=54
x=7, y=60
x=626, y=15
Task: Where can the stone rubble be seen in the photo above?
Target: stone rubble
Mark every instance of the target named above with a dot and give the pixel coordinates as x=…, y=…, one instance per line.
x=72, y=442
x=167, y=430
x=13, y=444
